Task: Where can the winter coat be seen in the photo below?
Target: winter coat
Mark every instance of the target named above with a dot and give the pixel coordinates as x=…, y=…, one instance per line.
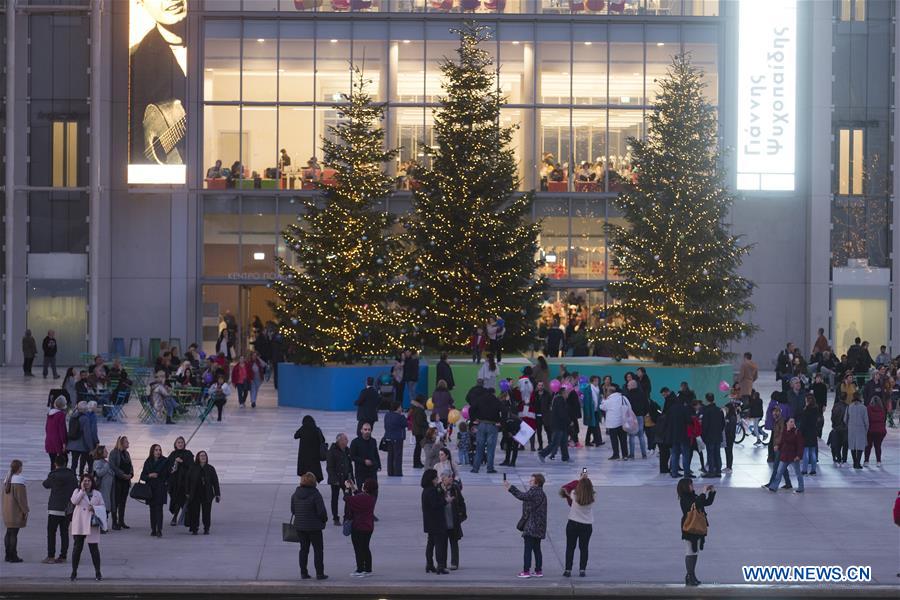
x=590, y=414
x=790, y=448
x=748, y=375
x=443, y=401
x=419, y=419
x=534, y=510
x=338, y=465
x=120, y=461
x=542, y=404
x=61, y=483
x=645, y=385
x=838, y=411
x=857, y=420
x=445, y=372
x=203, y=484
x=808, y=424
x=367, y=405
x=559, y=414
x=701, y=502
x=29, y=346
x=179, y=473
x=15, y=503
x=614, y=407
x=395, y=427
x=639, y=402
x=756, y=407
x=431, y=453
x=411, y=370
x=104, y=478
x=678, y=416
x=361, y=510
x=309, y=452
x=49, y=346
x=308, y=509
x=433, y=518
x=361, y=450
x=713, y=424
x=877, y=416
x=81, y=516
x=87, y=441
x=488, y=377
x=55, y=432
x=460, y=513
x=157, y=484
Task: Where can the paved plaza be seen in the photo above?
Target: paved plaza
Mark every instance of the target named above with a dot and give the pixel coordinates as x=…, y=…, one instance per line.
x=844, y=518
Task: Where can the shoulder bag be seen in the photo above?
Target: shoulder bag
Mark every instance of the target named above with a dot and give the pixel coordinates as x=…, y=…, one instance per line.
x=695, y=522
x=384, y=445
x=141, y=492
x=289, y=532
x=348, y=526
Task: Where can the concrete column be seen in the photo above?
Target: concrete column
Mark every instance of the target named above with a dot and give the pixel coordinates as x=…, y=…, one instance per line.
x=528, y=167
x=894, y=342
x=388, y=86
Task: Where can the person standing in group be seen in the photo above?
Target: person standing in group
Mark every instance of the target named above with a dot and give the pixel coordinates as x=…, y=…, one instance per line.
x=395, y=434
x=367, y=405
x=311, y=449
x=614, y=406
x=410, y=374
x=61, y=482
x=532, y=523
x=837, y=439
x=678, y=417
x=361, y=512
x=488, y=372
x=541, y=401
x=87, y=502
x=431, y=447
x=749, y=373
x=15, y=510
x=808, y=426
x=81, y=438
x=640, y=405
x=364, y=454
x=877, y=430
x=180, y=461
x=445, y=372
x=580, y=496
x=477, y=343
x=857, y=420
x=712, y=428
x=310, y=517
x=590, y=406
x=559, y=428
x=487, y=416
x=694, y=542
x=123, y=469
x=496, y=329
x=155, y=473
x=790, y=450
x=55, y=434
x=455, y=513
x=419, y=422
x=202, y=489
x=29, y=351
x=731, y=421
x=49, y=348
x=434, y=522
x=340, y=469
x=442, y=401
x=397, y=377
x=104, y=479
x=240, y=379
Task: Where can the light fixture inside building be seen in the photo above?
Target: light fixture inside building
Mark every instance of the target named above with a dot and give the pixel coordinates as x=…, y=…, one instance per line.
x=259, y=256
x=550, y=258
x=626, y=99
x=660, y=43
x=334, y=41
x=405, y=41
x=588, y=43
x=515, y=43
x=260, y=40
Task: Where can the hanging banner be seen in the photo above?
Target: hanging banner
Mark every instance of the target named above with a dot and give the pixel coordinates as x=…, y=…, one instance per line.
x=157, y=91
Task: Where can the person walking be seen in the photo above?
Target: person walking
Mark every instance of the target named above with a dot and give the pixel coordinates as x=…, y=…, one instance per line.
x=364, y=454
x=361, y=512
x=15, y=510
x=419, y=421
x=88, y=504
x=837, y=439
x=104, y=479
x=55, y=434
x=434, y=522
x=49, y=348
x=395, y=434
x=61, y=482
x=340, y=469
x=487, y=415
x=877, y=430
x=310, y=517
x=790, y=449
x=756, y=415
x=202, y=489
x=155, y=473
x=311, y=448
x=712, y=429
x=532, y=523
x=180, y=461
x=240, y=379
x=809, y=429
x=367, y=405
x=580, y=496
x=410, y=374
x=748, y=375
x=857, y=420
x=694, y=542
x=218, y=393
x=123, y=469
x=29, y=351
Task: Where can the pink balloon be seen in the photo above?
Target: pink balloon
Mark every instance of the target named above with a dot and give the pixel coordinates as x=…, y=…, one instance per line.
x=723, y=386
x=554, y=386
x=465, y=412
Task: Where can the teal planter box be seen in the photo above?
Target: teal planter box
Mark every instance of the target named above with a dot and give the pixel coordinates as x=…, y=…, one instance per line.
x=332, y=387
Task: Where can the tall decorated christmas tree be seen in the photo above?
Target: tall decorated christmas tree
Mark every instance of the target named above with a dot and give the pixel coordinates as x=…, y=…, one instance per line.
x=680, y=299
x=339, y=301
x=475, y=244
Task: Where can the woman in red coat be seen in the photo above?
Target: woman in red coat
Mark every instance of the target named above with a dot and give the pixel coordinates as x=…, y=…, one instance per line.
x=55, y=430
x=877, y=430
x=240, y=379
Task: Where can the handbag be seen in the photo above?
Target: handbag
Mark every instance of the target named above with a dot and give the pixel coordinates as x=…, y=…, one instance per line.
x=348, y=526
x=384, y=445
x=695, y=522
x=648, y=421
x=289, y=532
x=96, y=522
x=141, y=492
x=521, y=524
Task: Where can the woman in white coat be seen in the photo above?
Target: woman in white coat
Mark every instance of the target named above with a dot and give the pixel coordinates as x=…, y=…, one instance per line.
x=614, y=406
x=88, y=502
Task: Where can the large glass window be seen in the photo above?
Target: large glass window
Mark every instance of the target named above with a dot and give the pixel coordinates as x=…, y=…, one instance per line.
x=297, y=136
x=553, y=213
x=221, y=145
x=222, y=56
x=333, y=44
x=60, y=305
x=623, y=124
x=369, y=45
x=516, y=52
x=407, y=61
x=589, y=56
x=259, y=150
x=260, y=61
x=296, y=62
x=57, y=222
x=221, y=235
x=554, y=62
x=700, y=42
x=259, y=230
x=589, y=131
x=555, y=142
x=851, y=164
x=626, y=65
x=662, y=44
x=588, y=246
x=442, y=44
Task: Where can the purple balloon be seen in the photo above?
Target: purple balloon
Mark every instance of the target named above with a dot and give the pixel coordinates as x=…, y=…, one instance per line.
x=504, y=386
x=554, y=386
x=583, y=380
x=202, y=355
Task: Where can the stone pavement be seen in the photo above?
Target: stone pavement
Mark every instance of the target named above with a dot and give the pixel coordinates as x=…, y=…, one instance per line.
x=844, y=518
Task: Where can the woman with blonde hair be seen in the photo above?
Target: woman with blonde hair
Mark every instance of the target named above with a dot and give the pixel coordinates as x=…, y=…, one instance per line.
x=580, y=496
x=123, y=469
x=15, y=510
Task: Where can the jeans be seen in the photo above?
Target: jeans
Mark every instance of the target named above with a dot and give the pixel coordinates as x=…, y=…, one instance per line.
x=874, y=439
x=254, y=390
x=50, y=361
x=314, y=539
x=579, y=533
x=557, y=441
x=361, y=549
x=539, y=431
x=76, y=553
x=781, y=471
x=714, y=456
x=827, y=376
x=55, y=522
x=683, y=450
x=809, y=459
x=533, y=546
x=411, y=389
x=754, y=428
x=395, y=458
x=639, y=435
x=485, y=439
x=618, y=436
x=436, y=548
x=476, y=355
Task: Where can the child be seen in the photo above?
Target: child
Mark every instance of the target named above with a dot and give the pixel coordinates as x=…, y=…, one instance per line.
x=463, y=441
x=437, y=424
x=476, y=344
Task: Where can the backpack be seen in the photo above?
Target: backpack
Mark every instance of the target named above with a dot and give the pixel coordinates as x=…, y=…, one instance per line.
x=75, y=432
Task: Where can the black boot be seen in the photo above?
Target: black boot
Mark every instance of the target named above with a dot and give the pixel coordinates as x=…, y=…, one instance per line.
x=690, y=563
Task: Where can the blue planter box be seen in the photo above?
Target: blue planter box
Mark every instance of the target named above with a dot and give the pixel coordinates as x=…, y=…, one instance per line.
x=701, y=378
x=332, y=387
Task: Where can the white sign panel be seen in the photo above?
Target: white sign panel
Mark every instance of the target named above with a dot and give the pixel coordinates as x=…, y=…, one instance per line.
x=767, y=95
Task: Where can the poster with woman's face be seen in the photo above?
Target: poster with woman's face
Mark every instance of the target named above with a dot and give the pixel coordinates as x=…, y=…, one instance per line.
x=157, y=91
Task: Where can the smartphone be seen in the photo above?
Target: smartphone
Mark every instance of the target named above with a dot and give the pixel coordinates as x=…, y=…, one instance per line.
x=504, y=477
x=584, y=471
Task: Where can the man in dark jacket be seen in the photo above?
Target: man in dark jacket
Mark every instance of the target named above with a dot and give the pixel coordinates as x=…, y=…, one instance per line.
x=713, y=427
x=677, y=418
x=784, y=364
x=364, y=454
x=661, y=431
x=419, y=427
x=411, y=373
x=790, y=449
x=445, y=372
x=29, y=351
x=542, y=400
x=49, y=348
x=487, y=414
x=559, y=423
x=475, y=394
x=61, y=482
x=686, y=395
x=367, y=405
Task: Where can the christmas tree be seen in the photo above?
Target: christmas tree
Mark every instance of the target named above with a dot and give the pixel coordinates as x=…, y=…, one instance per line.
x=339, y=302
x=680, y=299
x=475, y=244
